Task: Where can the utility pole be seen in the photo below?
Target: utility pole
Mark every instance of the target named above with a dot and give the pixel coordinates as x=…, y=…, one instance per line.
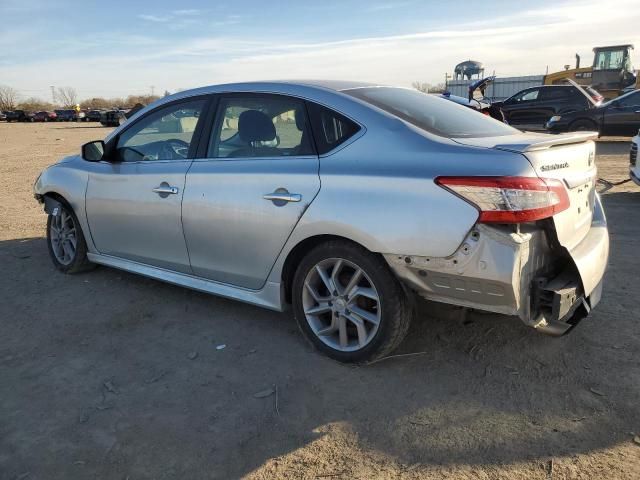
x=53, y=93
x=153, y=89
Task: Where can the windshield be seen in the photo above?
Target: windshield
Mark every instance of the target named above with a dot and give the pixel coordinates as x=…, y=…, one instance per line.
x=435, y=115
x=609, y=60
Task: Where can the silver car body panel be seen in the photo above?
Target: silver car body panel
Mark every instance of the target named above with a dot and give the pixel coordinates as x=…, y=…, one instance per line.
x=634, y=157
x=269, y=296
x=377, y=189
x=233, y=233
x=128, y=219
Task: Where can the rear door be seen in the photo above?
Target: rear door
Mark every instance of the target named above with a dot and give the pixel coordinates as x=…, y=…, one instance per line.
x=244, y=198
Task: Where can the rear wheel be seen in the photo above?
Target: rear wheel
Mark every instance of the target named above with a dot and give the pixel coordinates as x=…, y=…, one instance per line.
x=348, y=303
x=66, y=243
x=583, y=125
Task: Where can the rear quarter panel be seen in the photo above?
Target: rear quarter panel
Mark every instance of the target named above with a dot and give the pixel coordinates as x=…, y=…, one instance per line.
x=380, y=192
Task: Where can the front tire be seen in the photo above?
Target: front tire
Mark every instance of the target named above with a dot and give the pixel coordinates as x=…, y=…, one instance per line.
x=583, y=125
x=66, y=243
x=348, y=303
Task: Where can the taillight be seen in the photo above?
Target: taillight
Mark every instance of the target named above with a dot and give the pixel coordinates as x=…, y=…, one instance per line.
x=510, y=199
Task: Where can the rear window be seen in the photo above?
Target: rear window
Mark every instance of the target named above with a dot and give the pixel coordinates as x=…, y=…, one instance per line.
x=428, y=112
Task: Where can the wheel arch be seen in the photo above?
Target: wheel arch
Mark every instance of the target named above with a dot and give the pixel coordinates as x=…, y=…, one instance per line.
x=583, y=119
x=298, y=252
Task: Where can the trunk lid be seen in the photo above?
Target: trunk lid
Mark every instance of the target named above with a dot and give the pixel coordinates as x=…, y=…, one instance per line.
x=569, y=158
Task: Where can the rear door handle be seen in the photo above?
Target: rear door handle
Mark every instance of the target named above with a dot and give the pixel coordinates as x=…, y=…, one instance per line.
x=283, y=197
x=166, y=190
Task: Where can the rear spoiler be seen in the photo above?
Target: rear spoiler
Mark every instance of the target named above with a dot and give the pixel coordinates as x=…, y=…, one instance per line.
x=545, y=142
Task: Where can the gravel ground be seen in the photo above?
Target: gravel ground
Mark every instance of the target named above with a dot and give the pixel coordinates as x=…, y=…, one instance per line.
x=113, y=376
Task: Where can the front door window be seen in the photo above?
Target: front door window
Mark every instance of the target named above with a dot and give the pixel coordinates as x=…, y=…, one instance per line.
x=166, y=134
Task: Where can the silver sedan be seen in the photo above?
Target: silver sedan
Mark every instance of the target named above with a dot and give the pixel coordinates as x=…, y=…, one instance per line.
x=342, y=200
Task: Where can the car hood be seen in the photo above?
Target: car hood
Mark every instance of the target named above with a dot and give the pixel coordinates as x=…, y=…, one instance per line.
x=68, y=159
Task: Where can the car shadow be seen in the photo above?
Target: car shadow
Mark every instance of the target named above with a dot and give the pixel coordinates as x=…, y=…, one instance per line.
x=136, y=377
x=613, y=147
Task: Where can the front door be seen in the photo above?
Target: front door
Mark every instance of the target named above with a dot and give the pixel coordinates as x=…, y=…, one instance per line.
x=134, y=201
x=622, y=116
x=521, y=109
x=244, y=199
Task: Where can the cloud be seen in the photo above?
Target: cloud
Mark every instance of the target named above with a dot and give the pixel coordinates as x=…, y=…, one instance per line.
x=517, y=44
x=154, y=18
x=378, y=7
x=187, y=12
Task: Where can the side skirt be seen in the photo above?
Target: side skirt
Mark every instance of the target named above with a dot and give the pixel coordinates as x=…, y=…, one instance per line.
x=268, y=297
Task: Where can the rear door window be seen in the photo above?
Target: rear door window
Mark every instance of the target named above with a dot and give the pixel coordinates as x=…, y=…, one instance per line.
x=259, y=126
x=556, y=94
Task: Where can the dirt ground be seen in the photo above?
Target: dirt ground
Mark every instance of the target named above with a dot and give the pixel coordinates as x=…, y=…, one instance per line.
x=113, y=376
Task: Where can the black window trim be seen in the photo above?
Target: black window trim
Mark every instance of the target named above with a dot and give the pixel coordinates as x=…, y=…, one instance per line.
x=110, y=147
x=361, y=130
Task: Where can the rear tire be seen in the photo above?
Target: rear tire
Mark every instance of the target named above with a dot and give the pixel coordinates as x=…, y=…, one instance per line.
x=364, y=318
x=65, y=241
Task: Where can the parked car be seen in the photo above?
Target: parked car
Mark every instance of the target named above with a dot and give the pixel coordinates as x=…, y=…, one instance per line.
x=342, y=199
x=44, y=116
x=80, y=116
x=68, y=115
x=20, y=116
x=112, y=118
x=533, y=107
x=620, y=116
x=93, y=115
x=3, y=116
x=634, y=160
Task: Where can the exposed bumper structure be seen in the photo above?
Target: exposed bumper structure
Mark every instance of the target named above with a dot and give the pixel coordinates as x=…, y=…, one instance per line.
x=516, y=273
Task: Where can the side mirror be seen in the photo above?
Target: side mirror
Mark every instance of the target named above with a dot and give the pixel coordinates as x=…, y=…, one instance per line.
x=93, y=151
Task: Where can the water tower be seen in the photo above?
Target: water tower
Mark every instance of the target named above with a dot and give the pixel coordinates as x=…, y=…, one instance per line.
x=468, y=70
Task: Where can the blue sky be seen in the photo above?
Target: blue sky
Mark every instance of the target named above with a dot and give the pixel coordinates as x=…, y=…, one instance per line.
x=119, y=47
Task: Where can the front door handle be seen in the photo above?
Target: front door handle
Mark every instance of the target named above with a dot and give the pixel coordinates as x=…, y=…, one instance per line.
x=283, y=197
x=165, y=189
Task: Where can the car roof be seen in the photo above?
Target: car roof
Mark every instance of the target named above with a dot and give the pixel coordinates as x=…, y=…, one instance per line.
x=288, y=85
x=337, y=85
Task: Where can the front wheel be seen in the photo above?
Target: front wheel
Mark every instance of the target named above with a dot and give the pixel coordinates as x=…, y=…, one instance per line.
x=66, y=243
x=583, y=126
x=348, y=304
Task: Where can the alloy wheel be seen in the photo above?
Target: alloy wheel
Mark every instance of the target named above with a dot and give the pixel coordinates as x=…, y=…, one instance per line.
x=63, y=237
x=341, y=304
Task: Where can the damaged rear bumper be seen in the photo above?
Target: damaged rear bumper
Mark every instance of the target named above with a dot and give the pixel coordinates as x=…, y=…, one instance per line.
x=516, y=273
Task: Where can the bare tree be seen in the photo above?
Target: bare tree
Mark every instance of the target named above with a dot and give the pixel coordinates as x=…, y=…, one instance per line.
x=33, y=104
x=428, y=88
x=8, y=97
x=67, y=96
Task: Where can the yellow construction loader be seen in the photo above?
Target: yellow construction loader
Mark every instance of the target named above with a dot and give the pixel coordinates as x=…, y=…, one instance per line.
x=611, y=73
